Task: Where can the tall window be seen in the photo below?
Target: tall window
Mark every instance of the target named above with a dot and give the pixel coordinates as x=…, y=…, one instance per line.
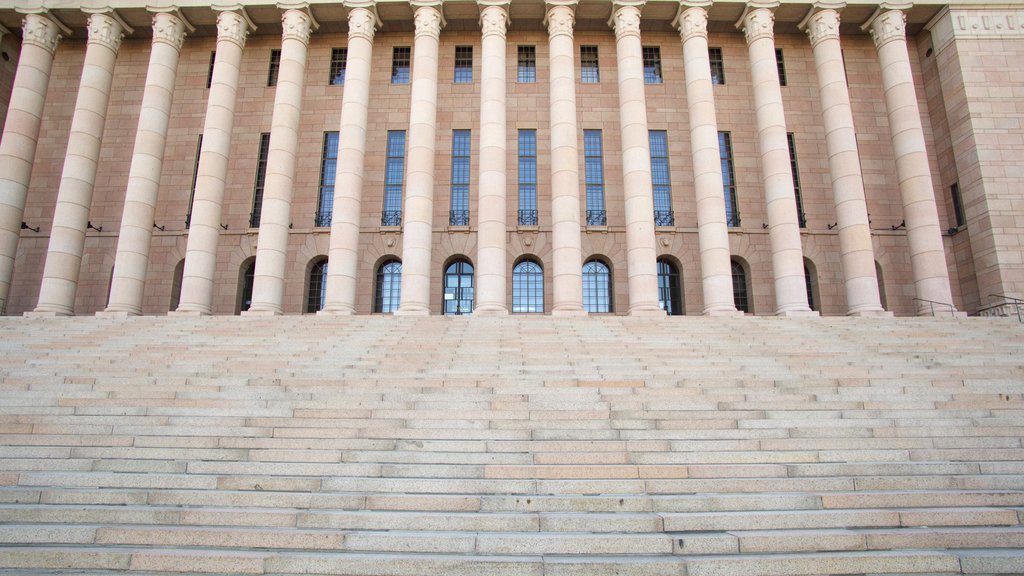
x=597, y=287
x=739, y=287
x=528, y=288
x=274, y=68
x=195, y=178
x=663, y=215
x=527, y=67
x=328, y=173
x=261, y=180
x=401, y=56
x=717, y=65
x=958, y=204
x=463, y=64
x=339, y=59
x=388, y=290
x=801, y=217
x=669, y=296
x=458, y=288
x=590, y=72
x=811, y=280
x=209, y=73
x=179, y=273
x=394, y=173
x=732, y=211
x=459, y=213
x=245, y=281
x=528, y=177
x=594, y=165
x=652, y=65
x=780, y=64
x=317, y=287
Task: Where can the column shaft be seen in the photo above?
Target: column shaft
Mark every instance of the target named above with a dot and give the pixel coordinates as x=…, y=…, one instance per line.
x=927, y=255
x=204, y=230
x=712, y=230
x=567, y=251
x=491, y=235
x=776, y=172
x=857, y=254
x=418, y=218
x=74, y=196
x=276, y=211
x=133, y=242
x=21, y=132
x=343, y=254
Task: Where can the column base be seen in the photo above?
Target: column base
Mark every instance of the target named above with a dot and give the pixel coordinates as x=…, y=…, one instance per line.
x=647, y=311
x=46, y=314
x=569, y=311
x=188, y=313
x=724, y=313
x=116, y=314
x=797, y=314
x=490, y=311
x=412, y=311
x=261, y=312
x=870, y=314
x=336, y=312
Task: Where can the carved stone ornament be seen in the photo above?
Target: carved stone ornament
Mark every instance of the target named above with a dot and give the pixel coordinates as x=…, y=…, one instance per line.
x=823, y=25
x=296, y=25
x=494, y=20
x=105, y=30
x=888, y=26
x=40, y=31
x=759, y=23
x=693, y=22
x=428, y=21
x=168, y=29
x=627, y=21
x=233, y=27
x=361, y=24
x=560, y=21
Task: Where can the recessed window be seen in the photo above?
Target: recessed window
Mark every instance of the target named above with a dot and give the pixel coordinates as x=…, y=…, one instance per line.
x=246, y=278
x=528, y=177
x=401, y=57
x=740, y=295
x=527, y=288
x=458, y=215
x=597, y=287
x=527, y=66
x=394, y=175
x=670, y=298
x=593, y=151
x=780, y=64
x=209, y=74
x=590, y=72
x=732, y=211
x=958, y=204
x=328, y=174
x=317, y=287
x=339, y=59
x=458, y=288
x=717, y=65
x=463, y=64
x=261, y=181
x=388, y=288
x=801, y=217
x=652, y=65
x=660, y=179
x=274, y=68
x=192, y=191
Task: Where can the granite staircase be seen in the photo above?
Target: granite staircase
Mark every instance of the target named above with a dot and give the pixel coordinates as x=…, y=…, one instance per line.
x=511, y=446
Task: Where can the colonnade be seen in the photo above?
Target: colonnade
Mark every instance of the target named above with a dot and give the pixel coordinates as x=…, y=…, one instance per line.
x=64, y=253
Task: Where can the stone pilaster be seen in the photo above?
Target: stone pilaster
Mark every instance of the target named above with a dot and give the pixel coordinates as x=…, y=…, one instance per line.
x=418, y=216
x=40, y=35
x=74, y=196
x=133, y=242
x=204, y=231
x=276, y=211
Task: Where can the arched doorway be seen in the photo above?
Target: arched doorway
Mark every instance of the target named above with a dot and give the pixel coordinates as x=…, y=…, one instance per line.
x=458, y=288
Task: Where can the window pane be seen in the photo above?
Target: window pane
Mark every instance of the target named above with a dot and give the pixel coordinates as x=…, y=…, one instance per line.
x=660, y=178
x=732, y=213
x=463, y=64
x=389, y=287
x=739, y=287
x=780, y=64
x=594, y=173
x=596, y=287
x=400, y=58
x=461, y=143
x=527, y=68
x=527, y=288
x=394, y=174
x=328, y=174
x=339, y=59
x=528, y=177
x=261, y=179
x=801, y=217
x=717, y=65
x=317, y=287
x=274, y=68
x=652, y=65
x=589, y=70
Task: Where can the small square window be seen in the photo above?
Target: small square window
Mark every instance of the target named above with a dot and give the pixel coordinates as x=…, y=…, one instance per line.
x=463, y=64
x=590, y=72
x=717, y=65
x=274, y=68
x=652, y=65
x=400, y=61
x=339, y=58
x=527, y=70
x=781, y=65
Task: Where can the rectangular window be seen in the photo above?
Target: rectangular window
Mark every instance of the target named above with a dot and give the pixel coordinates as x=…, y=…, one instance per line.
x=590, y=73
x=528, y=177
x=593, y=155
x=209, y=74
x=274, y=68
x=732, y=211
x=401, y=57
x=958, y=204
x=328, y=174
x=195, y=178
x=394, y=174
x=801, y=217
x=461, y=144
x=463, y=64
x=663, y=215
x=780, y=64
x=261, y=180
x=717, y=65
x=652, y=65
x=527, y=68
x=339, y=59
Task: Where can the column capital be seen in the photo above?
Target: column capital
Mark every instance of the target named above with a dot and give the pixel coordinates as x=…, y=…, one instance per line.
x=886, y=25
x=105, y=30
x=560, y=17
x=757, y=21
x=233, y=24
x=493, y=17
x=41, y=30
x=691, y=21
x=625, y=18
x=169, y=28
x=428, y=18
x=362, y=22
x=821, y=25
x=296, y=25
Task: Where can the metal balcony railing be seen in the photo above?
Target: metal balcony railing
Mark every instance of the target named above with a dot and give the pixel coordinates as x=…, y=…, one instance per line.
x=597, y=218
x=322, y=218
x=391, y=218
x=527, y=217
x=458, y=217
x=664, y=218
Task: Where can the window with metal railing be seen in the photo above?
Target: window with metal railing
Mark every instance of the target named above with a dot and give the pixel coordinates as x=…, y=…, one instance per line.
x=801, y=216
x=458, y=215
x=328, y=176
x=394, y=176
x=660, y=179
x=732, y=211
x=528, y=177
x=261, y=181
x=593, y=154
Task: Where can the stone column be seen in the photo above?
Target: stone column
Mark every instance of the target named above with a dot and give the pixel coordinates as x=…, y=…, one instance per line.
x=927, y=256
x=857, y=254
x=21, y=132
x=567, y=249
x=343, y=254
x=491, y=234
x=276, y=212
x=641, y=251
x=74, y=196
x=204, y=231
x=758, y=23
x=712, y=229
x=418, y=219
x=133, y=241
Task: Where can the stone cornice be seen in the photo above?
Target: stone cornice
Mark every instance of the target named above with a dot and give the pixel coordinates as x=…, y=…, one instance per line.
x=953, y=23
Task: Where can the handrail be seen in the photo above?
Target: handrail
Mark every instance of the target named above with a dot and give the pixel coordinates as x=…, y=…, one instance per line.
x=1016, y=303
x=952, y=309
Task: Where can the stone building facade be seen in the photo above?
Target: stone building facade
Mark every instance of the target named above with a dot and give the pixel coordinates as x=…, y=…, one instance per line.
x=510, y=157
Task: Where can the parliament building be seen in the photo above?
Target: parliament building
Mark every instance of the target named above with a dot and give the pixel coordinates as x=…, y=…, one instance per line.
x=566, y=157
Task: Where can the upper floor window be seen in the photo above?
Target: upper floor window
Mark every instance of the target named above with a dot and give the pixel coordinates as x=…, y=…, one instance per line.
x=527, y=66
x=590, y=73
x=717, y=65
x=192, y=192
x=663, y=215
x=401, y=57
x=652, y=65
x=209, y=73
x=732, y=211
x=261, y=180
x=328, y=173
x=463, y=64
x=528, y=177
x=274, y=68
x=339, y=58
x=958, y=204
x=801, y=217
x=780, y=64
x=394, y=175
x=459, y=213
x=594, y=167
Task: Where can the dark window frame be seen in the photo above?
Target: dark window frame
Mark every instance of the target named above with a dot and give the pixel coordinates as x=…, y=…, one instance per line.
x=401, y=64
x=780, y=66
x=317, y=294
x=261, y=180
x=274, y=67
x=959, y=215
x=463, y=65
x=661, y=178
x=394, y=178
x=597, y=287
x=527, y=177
x=593, y=161
x=387, y=287
x=462, y=149
x=717, y=61
x=652, y=65
x=732, y=209
x=740, y=287
x=339, y=62
x=590, y=67
x=328, y=179
x=526, y=64
x=797, y=192
x=528, y=287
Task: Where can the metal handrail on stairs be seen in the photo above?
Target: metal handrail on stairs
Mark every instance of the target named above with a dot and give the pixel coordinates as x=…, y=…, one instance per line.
x=932, y=303
x=1015, y=301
